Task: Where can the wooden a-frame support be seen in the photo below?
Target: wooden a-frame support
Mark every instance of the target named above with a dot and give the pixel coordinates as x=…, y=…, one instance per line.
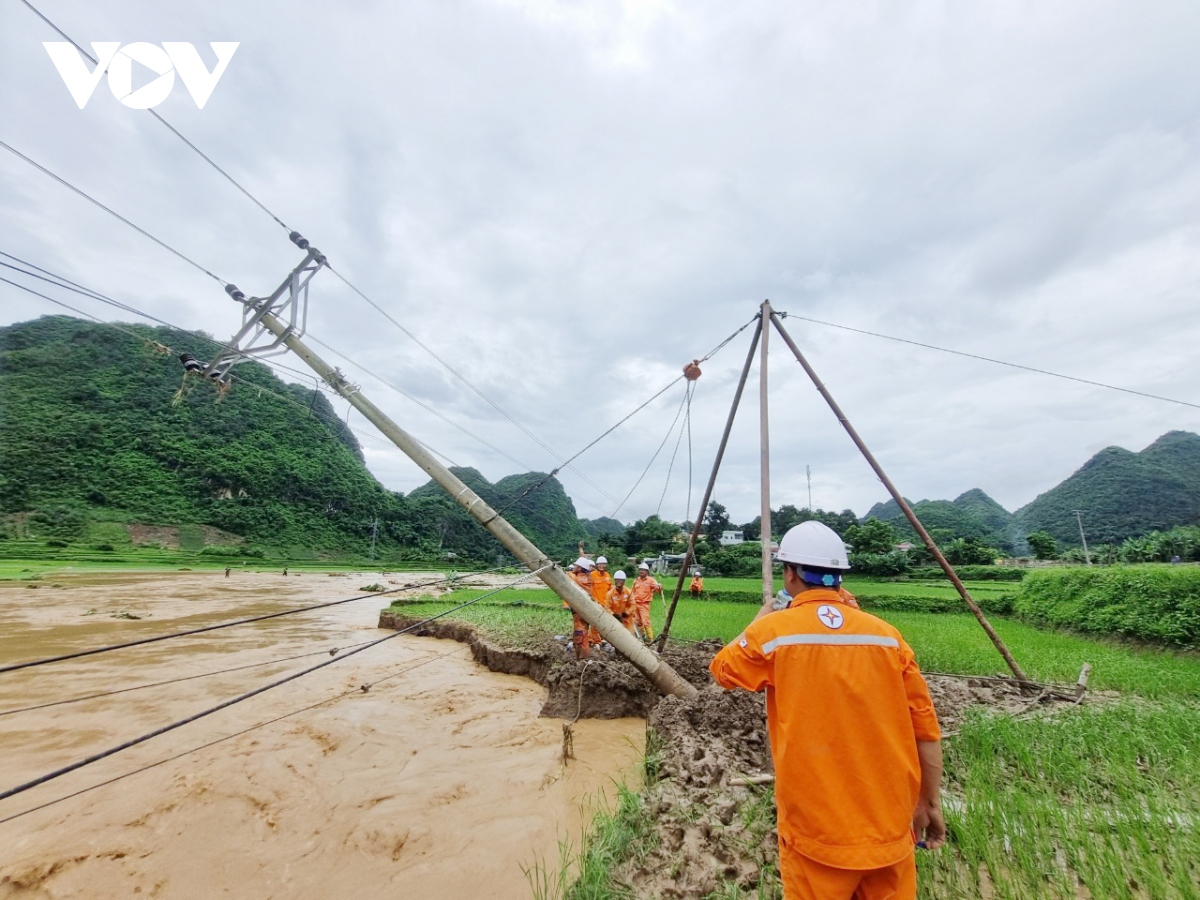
x=767, y=314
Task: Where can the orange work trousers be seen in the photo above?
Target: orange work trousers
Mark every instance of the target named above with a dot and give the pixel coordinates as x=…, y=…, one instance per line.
x=581, y=638
x=807, y=879
x=643, y=621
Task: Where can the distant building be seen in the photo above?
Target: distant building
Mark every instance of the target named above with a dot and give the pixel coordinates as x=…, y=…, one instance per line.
x=732, y=538
x=904, y=545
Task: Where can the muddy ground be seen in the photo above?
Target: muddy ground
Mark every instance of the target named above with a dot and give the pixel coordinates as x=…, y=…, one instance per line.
x=709, y=759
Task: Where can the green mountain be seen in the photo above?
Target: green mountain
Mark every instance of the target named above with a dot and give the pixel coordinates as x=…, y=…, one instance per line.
x=100, y=432
x=605, y=525
x=973, y=514
x=539, y=508
x=1121, y=494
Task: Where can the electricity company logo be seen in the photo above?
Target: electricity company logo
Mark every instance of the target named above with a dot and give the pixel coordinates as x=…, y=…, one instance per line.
x=165, y=61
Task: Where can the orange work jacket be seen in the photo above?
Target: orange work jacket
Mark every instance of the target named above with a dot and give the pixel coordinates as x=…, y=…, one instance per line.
x=620, y=603
x=601, y=584
x=846, y=705
x=697, y=585
x=584, y=580
x=644, y=590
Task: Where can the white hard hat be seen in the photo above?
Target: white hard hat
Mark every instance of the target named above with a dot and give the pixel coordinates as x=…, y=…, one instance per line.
x=813, y=544
x=618, y=575
x=584, y=563
x=601, y=559
x=643, y=568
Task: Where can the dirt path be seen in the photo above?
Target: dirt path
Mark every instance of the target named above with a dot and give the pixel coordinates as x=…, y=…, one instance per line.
x=441, y=781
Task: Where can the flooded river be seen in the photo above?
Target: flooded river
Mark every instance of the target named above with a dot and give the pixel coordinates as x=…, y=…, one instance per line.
x=440, y=781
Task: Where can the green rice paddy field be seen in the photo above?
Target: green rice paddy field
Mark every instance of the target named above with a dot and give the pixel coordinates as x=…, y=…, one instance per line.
x=1102, y=800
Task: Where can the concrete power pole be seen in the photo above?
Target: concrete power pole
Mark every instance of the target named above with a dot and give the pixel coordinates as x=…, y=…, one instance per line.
x=661, y=675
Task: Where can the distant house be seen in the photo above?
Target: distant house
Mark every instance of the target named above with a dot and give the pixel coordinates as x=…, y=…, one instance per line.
x=905, y=546
x=732, y=538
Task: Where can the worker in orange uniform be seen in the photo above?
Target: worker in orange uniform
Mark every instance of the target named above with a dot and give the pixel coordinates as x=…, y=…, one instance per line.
x=854, y=736
x=620, y=602
x=696, y=587
x=644, y=589
x=601, y=584
x=581, y=639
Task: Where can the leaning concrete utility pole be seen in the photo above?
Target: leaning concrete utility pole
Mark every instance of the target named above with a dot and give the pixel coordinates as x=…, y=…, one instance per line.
x=903, y=504
x=661, y=675
x=262, y=317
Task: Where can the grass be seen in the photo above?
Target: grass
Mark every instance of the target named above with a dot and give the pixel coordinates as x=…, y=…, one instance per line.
x=1100, y=801
x=1104, y=797
x=943, y=642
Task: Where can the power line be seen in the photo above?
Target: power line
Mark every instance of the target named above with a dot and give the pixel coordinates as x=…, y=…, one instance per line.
x=999, y=362
x=246, y=621
x=72, y=286
x=88, y=292
x=104, y=754
x=675, y=453
x=228, y=737
x=707, y=356
x=165, y=123
x=453, y=371
x=141, y=687
x=663, y=443
x=432, y=410
x=112, y=212
x=67, y=284
x=282, y=224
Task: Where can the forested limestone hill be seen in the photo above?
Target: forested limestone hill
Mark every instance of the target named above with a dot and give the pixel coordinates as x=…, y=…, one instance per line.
x=1120, y=494
x=970, y=515
x=92, y=431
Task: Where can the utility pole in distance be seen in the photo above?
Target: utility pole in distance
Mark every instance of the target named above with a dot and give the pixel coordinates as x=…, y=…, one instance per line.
x=808, y=474
x=1087, y=556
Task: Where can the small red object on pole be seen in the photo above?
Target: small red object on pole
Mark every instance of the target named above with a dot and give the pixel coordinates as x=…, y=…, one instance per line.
x=692, y=370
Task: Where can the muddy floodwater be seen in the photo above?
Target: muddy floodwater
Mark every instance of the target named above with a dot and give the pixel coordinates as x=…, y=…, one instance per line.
x=440, y=781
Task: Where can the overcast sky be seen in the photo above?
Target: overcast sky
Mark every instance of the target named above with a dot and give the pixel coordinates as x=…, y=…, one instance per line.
x=568, y=201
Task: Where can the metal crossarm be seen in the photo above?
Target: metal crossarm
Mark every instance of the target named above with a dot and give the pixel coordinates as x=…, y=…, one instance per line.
x=288, y=303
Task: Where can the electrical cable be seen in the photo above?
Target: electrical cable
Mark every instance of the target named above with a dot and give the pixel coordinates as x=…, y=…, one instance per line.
x=453, y=371
x=167, y=124
x=221, y=740
x=687, y=517
x=671, y=467
x=141, y=687
x=87, y=292
x=999, y=362
x=112, y=212
x=74, y=287
x=613, y=428
x=13, y=667
x=96, y=295
x=430, y=409
x=663, y=443
x=104, y=754
x=282, y=224
x=707, y=356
